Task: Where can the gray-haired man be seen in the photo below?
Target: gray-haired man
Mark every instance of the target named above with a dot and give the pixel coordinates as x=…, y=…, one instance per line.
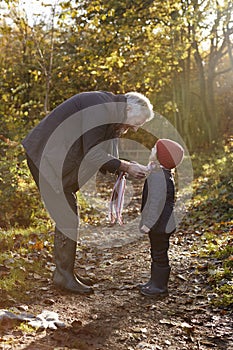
x=67, y=148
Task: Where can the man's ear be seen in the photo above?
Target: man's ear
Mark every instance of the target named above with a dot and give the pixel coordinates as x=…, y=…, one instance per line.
x=128, y=108
x=129, y=112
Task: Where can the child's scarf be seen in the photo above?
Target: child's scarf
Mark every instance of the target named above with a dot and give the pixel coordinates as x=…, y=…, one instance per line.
x=117, y=200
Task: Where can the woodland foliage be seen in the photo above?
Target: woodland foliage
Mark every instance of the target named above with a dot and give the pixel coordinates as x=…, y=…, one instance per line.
x=178, y=53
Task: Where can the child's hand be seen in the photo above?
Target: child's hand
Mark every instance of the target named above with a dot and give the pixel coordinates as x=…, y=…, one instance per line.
x=145, y=229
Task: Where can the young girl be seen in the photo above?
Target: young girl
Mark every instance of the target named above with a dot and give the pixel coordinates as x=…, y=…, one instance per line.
x=157, y=219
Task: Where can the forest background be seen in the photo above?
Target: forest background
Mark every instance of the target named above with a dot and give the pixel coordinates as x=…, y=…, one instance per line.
x=178, y=53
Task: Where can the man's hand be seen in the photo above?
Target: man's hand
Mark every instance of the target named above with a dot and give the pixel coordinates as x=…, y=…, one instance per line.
x=134, y=169
x=137, y=170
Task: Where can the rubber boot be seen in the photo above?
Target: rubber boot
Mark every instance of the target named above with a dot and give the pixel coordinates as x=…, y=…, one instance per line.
x=159, y=282
x=64, y=277
x=143, y=285
x=84, y=280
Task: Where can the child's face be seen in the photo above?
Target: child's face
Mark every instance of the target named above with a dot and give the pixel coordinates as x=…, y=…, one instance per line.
x=153, y=154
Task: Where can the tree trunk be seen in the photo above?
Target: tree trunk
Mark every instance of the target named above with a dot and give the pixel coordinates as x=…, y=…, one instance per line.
x=206, y=118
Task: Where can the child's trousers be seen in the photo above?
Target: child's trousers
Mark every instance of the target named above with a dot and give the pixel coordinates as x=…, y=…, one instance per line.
x=159, y=243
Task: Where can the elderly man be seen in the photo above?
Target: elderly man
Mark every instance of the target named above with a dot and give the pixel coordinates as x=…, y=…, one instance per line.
x=66, y=149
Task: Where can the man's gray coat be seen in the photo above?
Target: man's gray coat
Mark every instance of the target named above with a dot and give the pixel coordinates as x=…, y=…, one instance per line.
x=77, y=138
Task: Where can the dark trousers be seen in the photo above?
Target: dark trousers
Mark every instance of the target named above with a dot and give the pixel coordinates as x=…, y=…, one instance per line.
x=70, y=194
x=159, y=244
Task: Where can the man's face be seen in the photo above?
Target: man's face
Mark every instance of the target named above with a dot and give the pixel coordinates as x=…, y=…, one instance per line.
x=134, y=122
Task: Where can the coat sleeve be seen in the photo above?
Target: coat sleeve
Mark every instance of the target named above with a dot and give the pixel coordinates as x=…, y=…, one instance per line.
x=156, y=198
x=98, y=150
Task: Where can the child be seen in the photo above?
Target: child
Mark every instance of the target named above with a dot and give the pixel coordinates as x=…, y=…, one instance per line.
x=157, y=219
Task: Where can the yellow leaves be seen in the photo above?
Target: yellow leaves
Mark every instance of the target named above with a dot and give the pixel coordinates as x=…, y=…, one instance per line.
x=74, y=14
x=86, y=218
x=103, y=17
x=111, y=12
x=97, y=70
x=115, y=59
x=35, y=73
x=94, y=23
x=120, y=63
x=65, y=58
x=170, y=106
x=5, y=97
x=103, y=67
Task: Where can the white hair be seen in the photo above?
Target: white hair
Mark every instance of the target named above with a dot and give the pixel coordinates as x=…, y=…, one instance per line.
x=140, y=105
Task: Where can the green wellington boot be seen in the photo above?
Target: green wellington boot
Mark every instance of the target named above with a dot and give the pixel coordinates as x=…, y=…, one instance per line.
x=64, y=277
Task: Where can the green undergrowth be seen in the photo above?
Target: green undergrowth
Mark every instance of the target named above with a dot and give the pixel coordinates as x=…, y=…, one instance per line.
x=218, y=250
x=21, y=204
x=26, y=258
x=25, y=263
x=210, y=217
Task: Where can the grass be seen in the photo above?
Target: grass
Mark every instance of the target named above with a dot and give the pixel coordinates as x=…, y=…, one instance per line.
x=24, y=254
x=211, y=216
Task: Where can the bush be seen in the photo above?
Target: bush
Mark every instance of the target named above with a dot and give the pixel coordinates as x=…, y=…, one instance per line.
x=20, y=200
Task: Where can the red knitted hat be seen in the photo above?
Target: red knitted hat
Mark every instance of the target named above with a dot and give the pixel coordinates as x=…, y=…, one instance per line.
x=169, y=153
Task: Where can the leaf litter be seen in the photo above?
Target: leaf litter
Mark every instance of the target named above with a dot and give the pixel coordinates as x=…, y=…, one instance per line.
x=117, y=316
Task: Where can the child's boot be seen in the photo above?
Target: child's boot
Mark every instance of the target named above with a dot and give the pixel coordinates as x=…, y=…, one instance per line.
x=147, y=284
x=159, y=282
x=142, y=285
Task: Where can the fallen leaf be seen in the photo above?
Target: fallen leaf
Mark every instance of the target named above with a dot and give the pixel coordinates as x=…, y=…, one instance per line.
x=4, y=270
x=181, y=277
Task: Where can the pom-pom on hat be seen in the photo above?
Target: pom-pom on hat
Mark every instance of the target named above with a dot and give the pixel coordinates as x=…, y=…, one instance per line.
x=169, y=153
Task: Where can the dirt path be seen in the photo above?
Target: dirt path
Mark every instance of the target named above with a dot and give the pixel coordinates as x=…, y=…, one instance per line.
x=116, y=316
